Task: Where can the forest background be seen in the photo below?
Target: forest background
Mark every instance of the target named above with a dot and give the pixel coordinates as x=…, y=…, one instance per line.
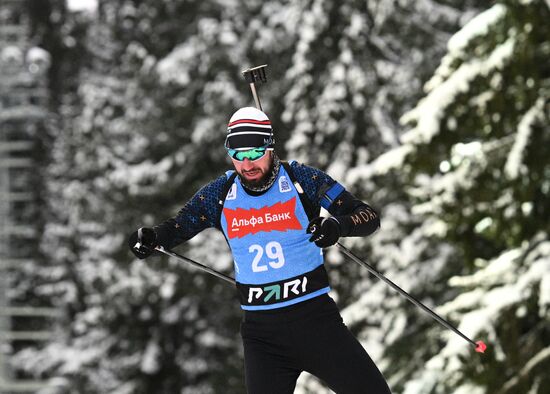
x=435, y=112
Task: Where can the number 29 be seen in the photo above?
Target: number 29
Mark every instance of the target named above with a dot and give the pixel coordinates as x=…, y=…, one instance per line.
x=273, y=250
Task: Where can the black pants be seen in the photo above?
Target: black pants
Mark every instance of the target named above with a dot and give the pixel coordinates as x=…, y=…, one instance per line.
x=310, y=336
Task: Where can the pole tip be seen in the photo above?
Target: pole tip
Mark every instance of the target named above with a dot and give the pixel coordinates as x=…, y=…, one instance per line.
x=481, y=346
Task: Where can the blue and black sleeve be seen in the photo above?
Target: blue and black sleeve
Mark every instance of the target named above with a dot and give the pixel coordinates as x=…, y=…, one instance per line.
x=356, y=217
x=202, y=211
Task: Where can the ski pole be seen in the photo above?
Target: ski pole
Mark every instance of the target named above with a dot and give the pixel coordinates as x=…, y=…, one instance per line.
x=479, y=345
x=195, y=264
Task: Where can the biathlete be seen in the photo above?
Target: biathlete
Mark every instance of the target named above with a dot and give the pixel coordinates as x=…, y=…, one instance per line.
x=268, y=211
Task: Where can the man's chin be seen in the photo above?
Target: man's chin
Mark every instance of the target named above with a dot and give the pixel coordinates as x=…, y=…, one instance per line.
x=254, y=181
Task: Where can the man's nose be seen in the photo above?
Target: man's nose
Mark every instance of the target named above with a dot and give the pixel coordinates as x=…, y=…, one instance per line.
x=247, y=163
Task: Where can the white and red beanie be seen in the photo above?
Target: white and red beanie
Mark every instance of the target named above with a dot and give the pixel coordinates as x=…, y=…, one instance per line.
x=249, y=128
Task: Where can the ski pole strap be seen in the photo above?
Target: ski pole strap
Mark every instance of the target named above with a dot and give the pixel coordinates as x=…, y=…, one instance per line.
x=308, y=285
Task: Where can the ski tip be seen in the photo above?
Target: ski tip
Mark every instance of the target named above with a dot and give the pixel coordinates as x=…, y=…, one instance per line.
x=480, y=347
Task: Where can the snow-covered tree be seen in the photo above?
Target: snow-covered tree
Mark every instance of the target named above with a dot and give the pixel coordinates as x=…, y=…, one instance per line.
x=129, y=154
x=474, y=167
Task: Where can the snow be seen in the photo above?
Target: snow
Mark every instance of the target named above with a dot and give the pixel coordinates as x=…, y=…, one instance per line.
x=494, y=271
x=381, y=165
x=357, y=25
x=541, y=356
x=173, y=67
x=167, y=289
x=457, y=44
x=483, y=224
x=150, y=360
x=430, y=111
x=429, y=379
x=11, y=54
x=82, y=5
x=504, y=282
x=478, y=27
x=136, y=174
x=513, y=166
x=38, y=55
x=469, y=149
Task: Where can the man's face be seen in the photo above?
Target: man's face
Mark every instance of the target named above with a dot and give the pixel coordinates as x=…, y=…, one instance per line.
x=254, y=172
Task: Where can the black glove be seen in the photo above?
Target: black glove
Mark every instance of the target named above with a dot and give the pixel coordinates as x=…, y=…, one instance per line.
x=324, y=232
x=143, y=242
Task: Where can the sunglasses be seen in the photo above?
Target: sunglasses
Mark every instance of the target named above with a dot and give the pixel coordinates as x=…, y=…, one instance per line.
x=250, y=154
